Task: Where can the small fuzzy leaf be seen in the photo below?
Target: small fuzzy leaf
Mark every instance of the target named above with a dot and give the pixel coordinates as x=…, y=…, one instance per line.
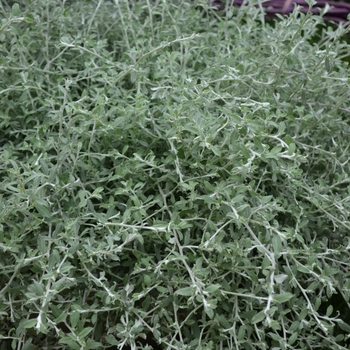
x=43, y=211
x=282, y=298
x=209, y=312
x=212, y=288
x=111, y=340
x=29, y=323
x=16, y=11
x=70, y=342
x=85, y=332
x=185, y=291
x=344, y=326
x=258, y=317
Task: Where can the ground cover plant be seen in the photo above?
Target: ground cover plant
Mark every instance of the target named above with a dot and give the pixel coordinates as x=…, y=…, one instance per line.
x=172, y=176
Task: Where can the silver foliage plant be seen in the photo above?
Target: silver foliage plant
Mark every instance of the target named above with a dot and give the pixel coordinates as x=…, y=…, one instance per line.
x=172, y=176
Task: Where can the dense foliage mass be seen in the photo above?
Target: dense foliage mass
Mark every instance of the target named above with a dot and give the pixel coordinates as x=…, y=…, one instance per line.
x=174, y=176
